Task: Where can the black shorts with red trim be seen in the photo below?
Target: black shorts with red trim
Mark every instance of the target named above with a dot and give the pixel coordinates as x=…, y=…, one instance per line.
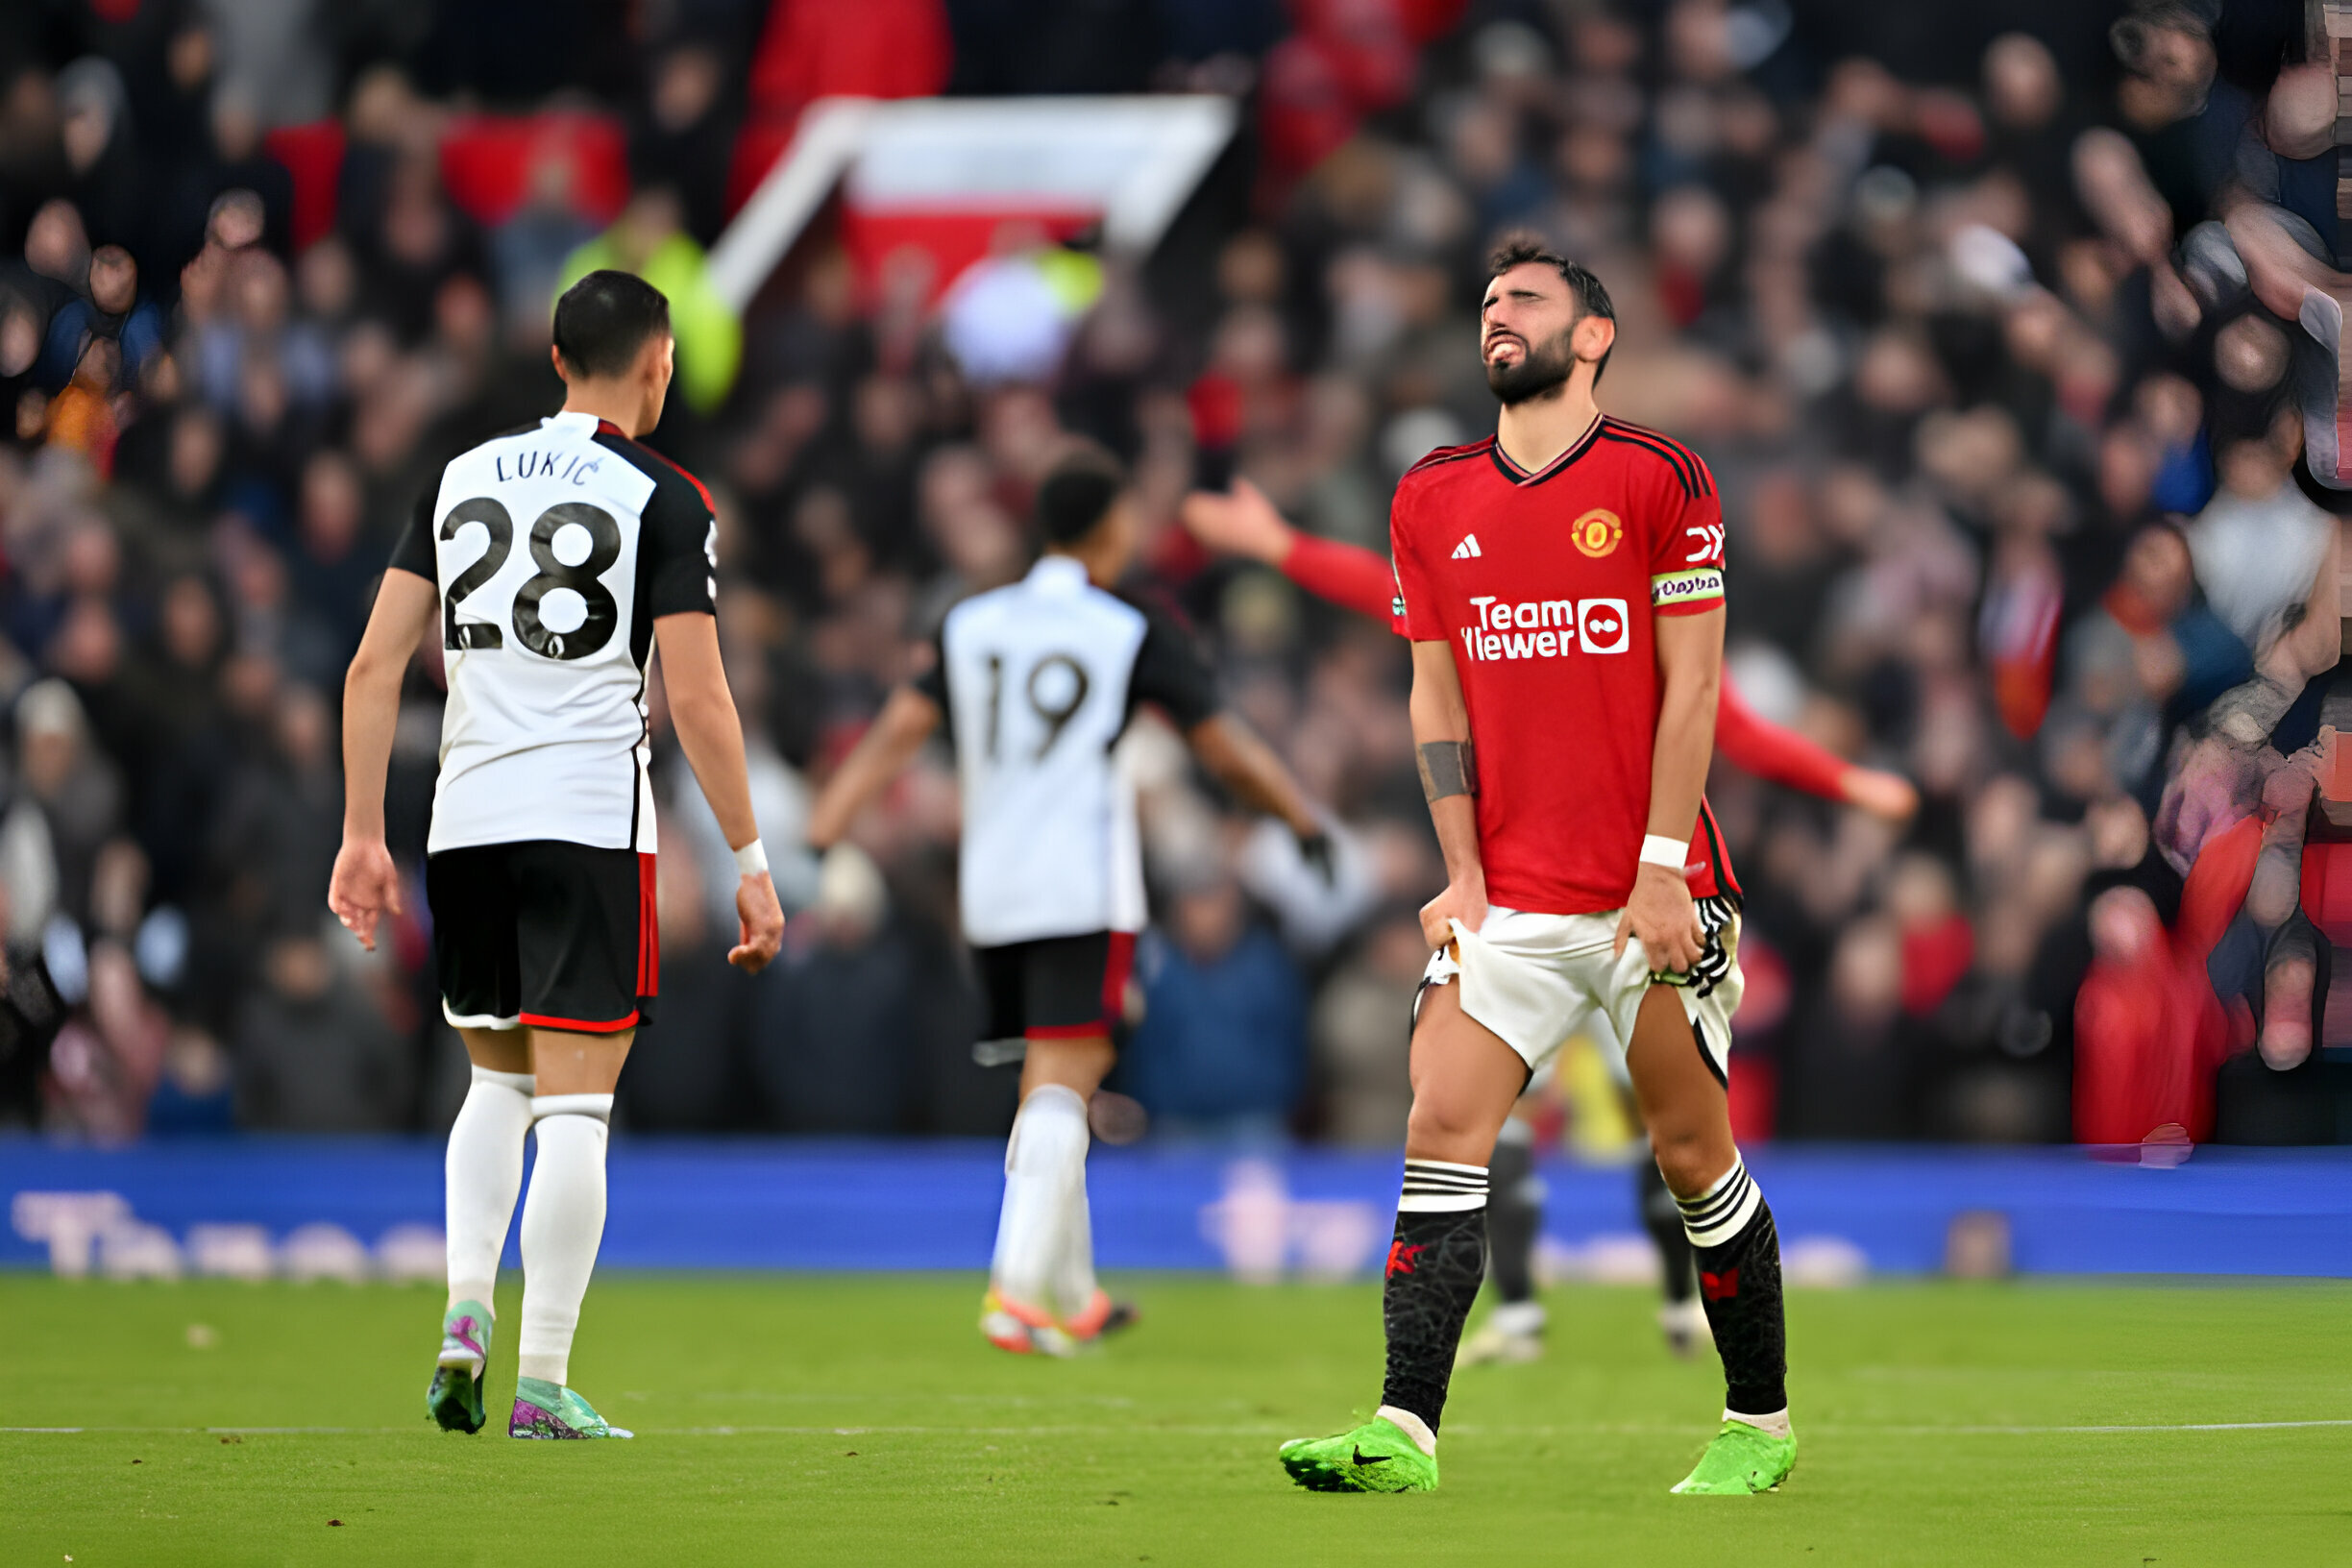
x=545, y=934
x=1055, y=988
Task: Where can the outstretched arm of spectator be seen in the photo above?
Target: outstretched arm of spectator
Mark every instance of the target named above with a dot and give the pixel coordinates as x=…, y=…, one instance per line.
x=906, y=721
x=1244, y=523
x=1783, y=756
x=1348, y=576
x=366, y=886
x=710, y=732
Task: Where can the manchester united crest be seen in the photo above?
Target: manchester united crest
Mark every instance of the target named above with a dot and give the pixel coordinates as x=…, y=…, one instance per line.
x=1596, y=533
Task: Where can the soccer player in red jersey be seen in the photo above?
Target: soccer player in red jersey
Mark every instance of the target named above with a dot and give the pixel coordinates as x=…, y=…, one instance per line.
x=1563, y=586
x=1246, y=522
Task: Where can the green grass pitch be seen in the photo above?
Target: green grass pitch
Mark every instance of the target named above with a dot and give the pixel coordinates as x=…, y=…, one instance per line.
x=861, y=1420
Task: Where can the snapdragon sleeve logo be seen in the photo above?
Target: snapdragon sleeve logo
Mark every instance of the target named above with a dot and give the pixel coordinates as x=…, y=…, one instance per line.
x=1700, y=585
x=1596, y=533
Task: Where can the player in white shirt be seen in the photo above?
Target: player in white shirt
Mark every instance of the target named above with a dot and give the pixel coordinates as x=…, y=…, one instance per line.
x=552, y=560
x=1036, y=681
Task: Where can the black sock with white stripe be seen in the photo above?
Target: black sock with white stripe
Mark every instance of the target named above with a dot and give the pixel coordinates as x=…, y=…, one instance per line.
x=1730, y=1227
x=1435, y=1265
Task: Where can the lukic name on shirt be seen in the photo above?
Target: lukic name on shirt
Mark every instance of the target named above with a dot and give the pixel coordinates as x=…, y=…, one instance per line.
x=529, y=463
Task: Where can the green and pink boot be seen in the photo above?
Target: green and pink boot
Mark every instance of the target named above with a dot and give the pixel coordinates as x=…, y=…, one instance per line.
x=547, y=1410
x=455, y=1398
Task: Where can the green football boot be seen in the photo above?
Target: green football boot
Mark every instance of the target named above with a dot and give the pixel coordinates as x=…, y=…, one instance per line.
x=547, y=1410
x=1740, y=1461
x=455, y=1398
x=1376, y=1457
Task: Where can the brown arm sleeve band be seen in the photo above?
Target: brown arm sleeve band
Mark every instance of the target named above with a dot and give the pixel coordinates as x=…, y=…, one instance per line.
x=1448, y=768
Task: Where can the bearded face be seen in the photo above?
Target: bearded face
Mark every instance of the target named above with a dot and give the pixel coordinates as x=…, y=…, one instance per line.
x=1537, y=372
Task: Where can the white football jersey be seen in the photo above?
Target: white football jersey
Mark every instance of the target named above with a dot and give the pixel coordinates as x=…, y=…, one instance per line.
x=554, y=550
x=1037, y=680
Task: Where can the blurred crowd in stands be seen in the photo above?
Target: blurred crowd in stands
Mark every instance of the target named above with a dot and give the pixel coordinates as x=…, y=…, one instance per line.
x=2014, y=485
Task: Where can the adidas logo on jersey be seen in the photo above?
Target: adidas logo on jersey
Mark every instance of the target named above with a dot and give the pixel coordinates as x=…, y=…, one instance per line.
x=1468, y=550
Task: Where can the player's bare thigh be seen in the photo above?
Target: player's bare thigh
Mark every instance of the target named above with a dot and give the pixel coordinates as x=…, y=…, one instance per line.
x=1682, y=1104
x=1464, y=1081
x=563, y=1061
x=1079, y=1065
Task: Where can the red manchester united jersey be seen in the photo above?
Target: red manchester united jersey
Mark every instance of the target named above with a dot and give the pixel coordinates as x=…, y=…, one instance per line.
x=1547, y=585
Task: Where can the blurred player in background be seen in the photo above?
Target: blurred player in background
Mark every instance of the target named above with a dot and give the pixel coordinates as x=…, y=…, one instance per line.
x=1037, y=682
x=1564, y=748
x=539, y=871
x=1244, y=523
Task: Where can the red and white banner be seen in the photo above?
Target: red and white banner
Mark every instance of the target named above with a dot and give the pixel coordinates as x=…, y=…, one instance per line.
x=942, y=175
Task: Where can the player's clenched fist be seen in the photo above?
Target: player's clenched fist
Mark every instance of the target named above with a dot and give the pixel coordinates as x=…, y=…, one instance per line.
x=1662, y=917
x=763, y=923
x=364, y=888
x=1463, y=900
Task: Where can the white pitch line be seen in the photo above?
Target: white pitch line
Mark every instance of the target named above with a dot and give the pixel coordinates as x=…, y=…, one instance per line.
x=1843, y=1430
x=1465, y=1429
x=283, y=1431
x=221, y=1432
x=1258, y=1431
x=2028, y=1432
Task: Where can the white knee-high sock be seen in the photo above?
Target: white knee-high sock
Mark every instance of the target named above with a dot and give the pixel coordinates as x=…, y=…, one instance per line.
x=1045, y=1163
x=482, y=1175
x=563, y=1221
x=1073, y=1277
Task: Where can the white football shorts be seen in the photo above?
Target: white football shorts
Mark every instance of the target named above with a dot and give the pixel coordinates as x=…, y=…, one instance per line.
x=1533, y=978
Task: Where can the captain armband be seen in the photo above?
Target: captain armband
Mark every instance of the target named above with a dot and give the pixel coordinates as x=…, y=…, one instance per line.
x=1448, y=768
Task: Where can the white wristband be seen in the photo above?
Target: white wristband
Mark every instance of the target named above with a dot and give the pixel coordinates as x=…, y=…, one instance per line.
x=1658, y=850
x=752, y=859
